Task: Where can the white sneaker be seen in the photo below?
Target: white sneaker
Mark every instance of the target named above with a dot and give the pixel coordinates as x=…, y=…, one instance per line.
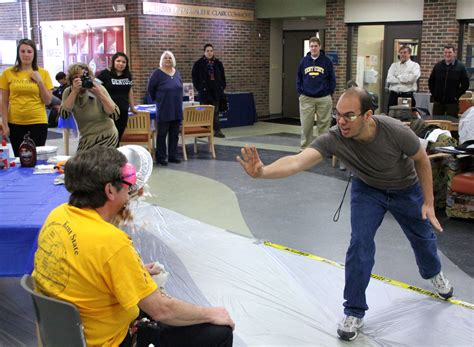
x=348, y=328
x=442, y=285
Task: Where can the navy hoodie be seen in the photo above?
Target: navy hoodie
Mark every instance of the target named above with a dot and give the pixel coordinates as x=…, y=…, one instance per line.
x=315, y=77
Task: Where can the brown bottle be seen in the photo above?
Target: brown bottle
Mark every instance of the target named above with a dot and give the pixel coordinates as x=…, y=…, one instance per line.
x=27, y=152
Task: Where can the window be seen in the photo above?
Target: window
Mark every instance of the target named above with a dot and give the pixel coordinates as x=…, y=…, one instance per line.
x=90, y=41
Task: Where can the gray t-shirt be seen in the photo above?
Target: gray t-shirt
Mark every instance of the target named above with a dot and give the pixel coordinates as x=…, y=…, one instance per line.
x=382, y=163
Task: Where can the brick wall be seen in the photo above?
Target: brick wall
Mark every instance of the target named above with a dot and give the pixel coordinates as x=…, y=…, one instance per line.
x=439, y=28
x=237, y=44
x=336, y=40
x=242, y=46
x=11, y=26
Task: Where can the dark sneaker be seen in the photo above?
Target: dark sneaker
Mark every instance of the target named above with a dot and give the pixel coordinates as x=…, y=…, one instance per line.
x=219, y=133
x=348, y=328
x=442, y=285
x=174, y=160
x=162, y=162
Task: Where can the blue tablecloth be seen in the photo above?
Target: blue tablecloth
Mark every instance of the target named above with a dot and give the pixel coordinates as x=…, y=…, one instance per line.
x=241, y=110
x=148, y=108
x=68, y=123
x=25, y=202
x=152, y=108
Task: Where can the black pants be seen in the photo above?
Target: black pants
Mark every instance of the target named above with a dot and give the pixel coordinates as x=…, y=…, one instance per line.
x=393, y=98
x=199, y=335
x=440, y=109
x=53, y=118
x=216, y=124
x=38, y=133
x=121, y=123
x=170, y=129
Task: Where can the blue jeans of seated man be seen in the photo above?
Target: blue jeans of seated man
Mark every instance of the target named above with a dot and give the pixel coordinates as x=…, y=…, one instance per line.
x=368, y=207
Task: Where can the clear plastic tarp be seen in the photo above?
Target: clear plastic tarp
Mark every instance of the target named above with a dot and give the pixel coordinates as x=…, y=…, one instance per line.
x=277, y=298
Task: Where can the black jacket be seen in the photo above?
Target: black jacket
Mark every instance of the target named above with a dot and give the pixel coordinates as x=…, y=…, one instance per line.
x=207, y=89
x=448, y=82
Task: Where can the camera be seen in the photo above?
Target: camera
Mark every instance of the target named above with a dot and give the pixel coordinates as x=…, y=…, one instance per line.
x=86, y=80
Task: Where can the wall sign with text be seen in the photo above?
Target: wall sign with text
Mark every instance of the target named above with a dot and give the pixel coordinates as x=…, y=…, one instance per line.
x=162, y=9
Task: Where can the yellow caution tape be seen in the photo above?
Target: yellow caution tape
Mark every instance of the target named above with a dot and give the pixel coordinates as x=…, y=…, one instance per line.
x=377, y=277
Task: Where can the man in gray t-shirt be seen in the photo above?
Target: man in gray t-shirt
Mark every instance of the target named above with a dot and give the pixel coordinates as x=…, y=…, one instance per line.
x=391, y=173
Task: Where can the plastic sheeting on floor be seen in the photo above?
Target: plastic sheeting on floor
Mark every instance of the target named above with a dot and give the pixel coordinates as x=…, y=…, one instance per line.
x=280, y=299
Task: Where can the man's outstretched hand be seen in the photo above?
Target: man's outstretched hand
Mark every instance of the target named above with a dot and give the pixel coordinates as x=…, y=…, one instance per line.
x=250, y=161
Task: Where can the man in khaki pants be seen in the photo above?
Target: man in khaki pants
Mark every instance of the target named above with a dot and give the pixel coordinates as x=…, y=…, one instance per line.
x=315, y=83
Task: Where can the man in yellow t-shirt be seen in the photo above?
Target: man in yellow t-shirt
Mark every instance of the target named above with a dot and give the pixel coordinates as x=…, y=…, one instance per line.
x=85, y=260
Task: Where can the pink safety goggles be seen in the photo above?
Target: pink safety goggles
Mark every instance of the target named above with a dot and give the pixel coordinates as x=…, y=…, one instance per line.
x=129, y=175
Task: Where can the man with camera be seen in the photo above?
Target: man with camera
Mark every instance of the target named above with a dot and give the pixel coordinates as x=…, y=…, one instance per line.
x=92, y=107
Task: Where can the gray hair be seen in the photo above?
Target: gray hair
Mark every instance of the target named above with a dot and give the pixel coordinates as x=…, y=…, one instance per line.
x=88, y=172
x=163, y=57
x=76, y=68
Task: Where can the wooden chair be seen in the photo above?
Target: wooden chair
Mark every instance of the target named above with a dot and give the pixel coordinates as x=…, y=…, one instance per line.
x=442, y=124
x=139, y=132
x=465, y=102
x=198, y=122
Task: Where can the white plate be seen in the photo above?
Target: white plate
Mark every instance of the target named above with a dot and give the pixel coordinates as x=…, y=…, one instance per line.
x=141, y=159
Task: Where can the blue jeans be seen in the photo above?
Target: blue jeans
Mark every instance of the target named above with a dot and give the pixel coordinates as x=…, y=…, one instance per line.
x=368, y=207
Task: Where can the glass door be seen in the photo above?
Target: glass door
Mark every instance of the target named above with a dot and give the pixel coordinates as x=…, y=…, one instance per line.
x=469, y=61
x=369, y=65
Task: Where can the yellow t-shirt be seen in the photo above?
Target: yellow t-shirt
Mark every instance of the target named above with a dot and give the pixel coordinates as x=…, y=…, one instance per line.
x=25, y=104
x=86, y=261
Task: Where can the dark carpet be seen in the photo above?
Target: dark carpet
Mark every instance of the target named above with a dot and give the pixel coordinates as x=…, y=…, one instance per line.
x=228, y=153
x=54, y=135
x=285, y=139
x=455, y=242
x=284, y=120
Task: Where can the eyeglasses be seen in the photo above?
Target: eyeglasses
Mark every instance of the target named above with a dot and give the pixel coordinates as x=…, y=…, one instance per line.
x=129, y=185
x=349, y=116
x=129, y=176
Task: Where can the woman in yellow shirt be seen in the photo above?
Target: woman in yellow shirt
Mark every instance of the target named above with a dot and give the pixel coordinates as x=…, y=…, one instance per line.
x=25, y=89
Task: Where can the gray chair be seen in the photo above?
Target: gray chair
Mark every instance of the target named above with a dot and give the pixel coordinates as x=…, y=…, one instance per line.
x=58, y=322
